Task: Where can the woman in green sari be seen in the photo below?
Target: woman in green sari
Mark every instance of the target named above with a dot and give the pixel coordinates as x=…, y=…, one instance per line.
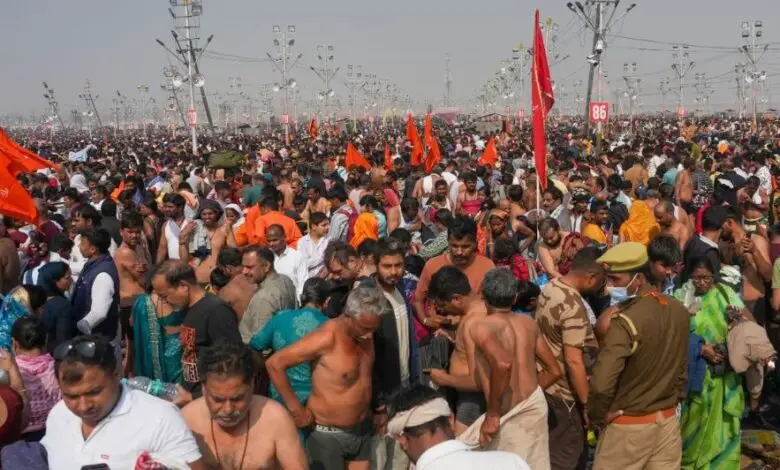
x=710, y=423
x=157, y=350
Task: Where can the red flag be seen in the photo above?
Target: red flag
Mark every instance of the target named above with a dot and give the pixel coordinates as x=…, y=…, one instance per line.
x=542, y=100
x=354, y=158
x=414, y=138
x=19, y=159
x=388, y=158
x=15, y=201
x=490, y=155
x=314, y=129
x=428, y=130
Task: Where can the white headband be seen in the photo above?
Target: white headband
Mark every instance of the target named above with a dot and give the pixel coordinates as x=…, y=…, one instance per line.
x=418, y=415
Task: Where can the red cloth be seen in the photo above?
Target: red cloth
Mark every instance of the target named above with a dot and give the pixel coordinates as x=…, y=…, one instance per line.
x=11, y=429
x=354, y=158
x=413, y=137
x=490, y=155
x=542, y=100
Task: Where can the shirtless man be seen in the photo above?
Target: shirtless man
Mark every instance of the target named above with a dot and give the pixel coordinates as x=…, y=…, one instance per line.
x=754, y=202
x=757, y=271
x=238, y=291
x=469, y=200
x=229, y=417
x=551, y=247
x=664, y=215
x=683, y=185
x=286, y=189
x=452, y=293
x=341, y=352
x=131, y=269
x=424, y=187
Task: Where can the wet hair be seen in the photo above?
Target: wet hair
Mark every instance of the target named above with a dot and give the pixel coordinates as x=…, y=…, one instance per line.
x=462, y=227
x=448, y=282
x=316, y=291
x=499, y=288
x=414, y=264
x=584, y=262
x=87, y=212
x=416, y=395
x=389, y=247
x=175, y=199
x=369, y=247
x=131, y=220
x=664, y=249
x=99, y=238
x=229, y=256
x=339, y=251
x=70, y=366
x=278, y=229
x=515, y=193
x=226, y=359
x=262, y=252
x=365, y=300
x=218, y=277
x=369, y=200
x=554, y=192
x=713, y=218
x=527, y=291
x=176, y=272
x=443, y=216
x=29, y=332
x=547, y=224
x=108, y=208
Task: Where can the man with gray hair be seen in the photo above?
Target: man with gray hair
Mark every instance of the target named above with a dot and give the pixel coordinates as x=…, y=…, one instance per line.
x=338, y=412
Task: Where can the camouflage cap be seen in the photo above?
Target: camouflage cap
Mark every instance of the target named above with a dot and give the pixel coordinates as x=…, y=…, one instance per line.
x=623, y=257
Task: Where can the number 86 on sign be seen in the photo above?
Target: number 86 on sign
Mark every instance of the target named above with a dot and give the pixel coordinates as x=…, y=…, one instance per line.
x=599, y=111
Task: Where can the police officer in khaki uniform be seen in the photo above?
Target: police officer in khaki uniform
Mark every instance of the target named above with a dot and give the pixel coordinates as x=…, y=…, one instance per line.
x=640, y=374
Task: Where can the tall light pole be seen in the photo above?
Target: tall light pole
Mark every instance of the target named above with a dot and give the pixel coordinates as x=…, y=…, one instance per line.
x=632, y=87
x=751, y=32
x=447, y=81
x=89, y=100
x=173, y=94
x=143, y=90
x=325, y=74
x=703, y=91
x=599, y=16
x=681, y=65
x=284, y=62
x=53, y=106
x=355, y=81
x=664, y=87
x=235, y=93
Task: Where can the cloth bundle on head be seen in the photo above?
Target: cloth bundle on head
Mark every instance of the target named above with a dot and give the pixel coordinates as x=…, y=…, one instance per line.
x=210, y=204
x=418, y=415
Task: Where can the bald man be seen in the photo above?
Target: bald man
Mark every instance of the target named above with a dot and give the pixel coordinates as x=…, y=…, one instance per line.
x=664, y=215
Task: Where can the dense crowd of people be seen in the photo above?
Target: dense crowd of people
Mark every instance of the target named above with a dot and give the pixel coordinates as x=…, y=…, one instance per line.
x=265, y=303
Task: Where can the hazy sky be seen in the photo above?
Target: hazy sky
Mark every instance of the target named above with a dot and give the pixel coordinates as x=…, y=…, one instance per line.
x=112, y=43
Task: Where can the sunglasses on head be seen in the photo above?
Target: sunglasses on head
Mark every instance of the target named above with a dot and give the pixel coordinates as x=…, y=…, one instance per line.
x=86, y=349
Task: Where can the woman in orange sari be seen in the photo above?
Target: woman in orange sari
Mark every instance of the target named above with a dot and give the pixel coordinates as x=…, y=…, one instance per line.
x=641, y=225
x=366, y=227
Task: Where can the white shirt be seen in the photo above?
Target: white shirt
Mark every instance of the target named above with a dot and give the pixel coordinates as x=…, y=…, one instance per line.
x=140, y=422
x=313, y=253
x=102, y=295
x=97, y=205
x=455, y=455
x=402, y=326
x=655, y=162
x=291, y=264
x=77, y=260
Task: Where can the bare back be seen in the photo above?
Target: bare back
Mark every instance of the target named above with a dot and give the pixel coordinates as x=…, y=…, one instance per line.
x=237, y=293
x=130, y=268
x=341, y=380
x=516, y=334
x=459, y=364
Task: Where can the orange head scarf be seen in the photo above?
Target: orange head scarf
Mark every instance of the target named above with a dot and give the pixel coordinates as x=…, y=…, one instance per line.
x=641, y=225
x=366, y=226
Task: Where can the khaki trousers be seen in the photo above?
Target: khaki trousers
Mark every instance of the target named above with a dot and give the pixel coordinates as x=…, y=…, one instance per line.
x=654, y=446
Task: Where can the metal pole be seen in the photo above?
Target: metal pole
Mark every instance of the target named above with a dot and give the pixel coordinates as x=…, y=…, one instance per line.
x=190, y=61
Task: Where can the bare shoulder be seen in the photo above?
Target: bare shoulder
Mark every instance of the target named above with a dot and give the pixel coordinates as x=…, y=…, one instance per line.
x=268, y=410
x=196, y=414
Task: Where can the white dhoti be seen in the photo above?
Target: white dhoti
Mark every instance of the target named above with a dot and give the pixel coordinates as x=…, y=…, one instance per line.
x=523, y=432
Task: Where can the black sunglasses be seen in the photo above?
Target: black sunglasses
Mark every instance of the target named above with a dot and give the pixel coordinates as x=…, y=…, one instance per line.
x=86, y=349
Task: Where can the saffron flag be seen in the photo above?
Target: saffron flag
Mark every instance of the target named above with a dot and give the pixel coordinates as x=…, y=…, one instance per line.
x=314, y=129
x=413, y=137
x=354, y=158
x=542, y=100
x=15, y=201
x=388, y=158
x=490, y=155
x=434, y=153
x=21, y=160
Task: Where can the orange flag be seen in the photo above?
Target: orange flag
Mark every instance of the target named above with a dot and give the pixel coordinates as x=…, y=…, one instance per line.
x=414, y=138
x=434, y=153
x=314, y=129
x=19, y=159
x=15, y=201
x=490, y=155
x=388, y=158
x=354, y=158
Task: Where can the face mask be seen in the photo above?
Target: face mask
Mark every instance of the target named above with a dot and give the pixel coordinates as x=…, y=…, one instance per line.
x=619, y=294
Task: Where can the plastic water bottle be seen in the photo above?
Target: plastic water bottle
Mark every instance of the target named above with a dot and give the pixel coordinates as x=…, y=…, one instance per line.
x=164, y=390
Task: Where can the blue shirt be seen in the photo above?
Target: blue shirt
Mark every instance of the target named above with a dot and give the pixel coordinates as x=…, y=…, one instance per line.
x=284, y=329
x=670, y=176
